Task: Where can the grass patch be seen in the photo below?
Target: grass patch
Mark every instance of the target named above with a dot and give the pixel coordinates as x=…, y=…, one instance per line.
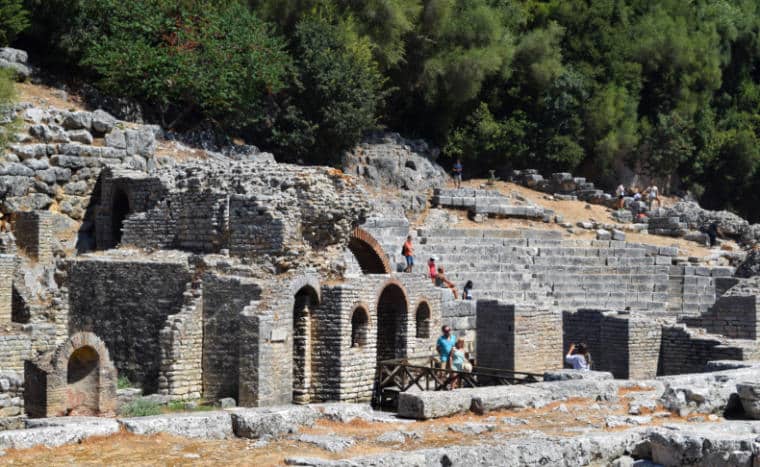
x=140, y=408
x=123, y=382
x=181, y=406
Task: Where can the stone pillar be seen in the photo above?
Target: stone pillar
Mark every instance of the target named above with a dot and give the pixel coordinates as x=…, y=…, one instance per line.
x=7, y=267
x=518, y=338
x=34, y=234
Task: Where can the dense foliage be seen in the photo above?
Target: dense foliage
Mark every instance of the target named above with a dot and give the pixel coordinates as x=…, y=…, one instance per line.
x=668, y=88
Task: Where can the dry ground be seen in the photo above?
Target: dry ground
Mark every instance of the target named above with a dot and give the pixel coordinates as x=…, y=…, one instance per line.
x=572, y=212
x=568, y=418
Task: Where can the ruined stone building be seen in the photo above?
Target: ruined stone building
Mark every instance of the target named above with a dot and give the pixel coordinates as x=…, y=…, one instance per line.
x=272, y=284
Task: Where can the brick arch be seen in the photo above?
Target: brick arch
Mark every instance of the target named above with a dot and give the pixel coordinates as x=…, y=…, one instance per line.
x=80, y=379
x=361, y=323
x=301, y=281
x=392, y=321
x=368, y=252
x=423, y=312
x=305, y=292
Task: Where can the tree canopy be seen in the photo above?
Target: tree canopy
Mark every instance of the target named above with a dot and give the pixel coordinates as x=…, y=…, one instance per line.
x=670, y=89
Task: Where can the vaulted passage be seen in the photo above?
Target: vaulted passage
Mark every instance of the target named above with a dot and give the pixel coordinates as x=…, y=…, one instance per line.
x=119, y=212
x=368, y=253
x=82, y=382
x=391, y=323
x=304, y=374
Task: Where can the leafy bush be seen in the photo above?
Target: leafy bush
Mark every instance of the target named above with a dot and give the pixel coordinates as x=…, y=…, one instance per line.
x=140, y=408
x=14, y=18
x=209, y=58
x=9, y=124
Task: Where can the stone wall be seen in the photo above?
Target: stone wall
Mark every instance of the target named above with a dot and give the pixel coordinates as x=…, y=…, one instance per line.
x=461, y=317
x=518, y=338
x=126, y=299
x=34, y=234
x=733, y=317
x=7, y=270
x=11, y=394
x=626, y=345
x=224, y=298
x=692, y=289
x=688, y=351
x=15, y=347
x=181, y=350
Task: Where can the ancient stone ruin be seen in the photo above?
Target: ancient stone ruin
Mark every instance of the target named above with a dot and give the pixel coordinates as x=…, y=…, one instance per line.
x=128, y=276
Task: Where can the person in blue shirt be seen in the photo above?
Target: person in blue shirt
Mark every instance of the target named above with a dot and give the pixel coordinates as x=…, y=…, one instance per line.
x=444, y=345
x=457, y=169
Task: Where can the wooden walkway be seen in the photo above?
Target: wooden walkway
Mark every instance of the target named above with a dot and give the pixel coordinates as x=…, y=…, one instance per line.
x=400, y=375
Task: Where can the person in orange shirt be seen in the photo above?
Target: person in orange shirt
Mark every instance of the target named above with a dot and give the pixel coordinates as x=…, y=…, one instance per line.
x=408, y=252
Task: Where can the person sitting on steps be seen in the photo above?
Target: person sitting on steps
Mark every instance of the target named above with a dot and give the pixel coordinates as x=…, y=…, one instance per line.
x=432, y=269
x=442, y=281
x=466, y=293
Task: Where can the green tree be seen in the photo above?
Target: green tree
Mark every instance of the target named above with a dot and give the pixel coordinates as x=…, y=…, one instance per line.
x=14, y=18
x=338, y=93
x=208, y=58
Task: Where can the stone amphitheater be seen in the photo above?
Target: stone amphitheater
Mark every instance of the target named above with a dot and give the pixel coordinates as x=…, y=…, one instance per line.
x=267, y=294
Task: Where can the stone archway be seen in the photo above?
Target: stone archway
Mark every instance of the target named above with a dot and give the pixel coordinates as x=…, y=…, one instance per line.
x=77, y=378
x=82, y=379
x=422, y=320
x=368, y=253
x=305, y=301
x=392, y=319
x=119, y=211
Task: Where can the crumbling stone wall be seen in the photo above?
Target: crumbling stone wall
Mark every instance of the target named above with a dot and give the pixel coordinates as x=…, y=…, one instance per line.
x=126, y=301
x=518, y=338
x=11, y=394
x=686, y=351
x=181, y=349
x=732, y=316
x=286, y=213
x=7, y=269
x=34, y=234
x=224, y=298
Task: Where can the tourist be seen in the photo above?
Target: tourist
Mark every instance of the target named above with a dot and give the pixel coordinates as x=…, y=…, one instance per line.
x=432, y=269
x=712, y=232
x=457, y=169
x=466, y=293
x=442, y=281
x=408, y=252
x=456, y=362
x=578, y=357
x=620, y=193
x=652, y=196
x=444, y=345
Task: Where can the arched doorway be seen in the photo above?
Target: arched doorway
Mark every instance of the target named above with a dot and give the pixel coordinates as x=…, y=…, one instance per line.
x=359, y=327
x=368, y=253
x=82, y=382
x=305, y=301
x=119, y=211
x=422, y=321
x=391, y=323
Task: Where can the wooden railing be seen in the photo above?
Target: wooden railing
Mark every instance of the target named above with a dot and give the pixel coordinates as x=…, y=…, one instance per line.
x=399, y=375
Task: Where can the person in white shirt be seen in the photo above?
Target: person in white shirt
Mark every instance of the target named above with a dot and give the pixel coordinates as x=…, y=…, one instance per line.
x=578, y=357
x=653, y=196
x=620, y=193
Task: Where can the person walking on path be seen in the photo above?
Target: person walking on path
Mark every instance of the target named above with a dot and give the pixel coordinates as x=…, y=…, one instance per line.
x=408, y=252
x=444, y=344
x=457, y=359
x=457, y=169
x=712, y=232
x=620, y=194
x=442, y=281
x=578, y=357
x=432, y=269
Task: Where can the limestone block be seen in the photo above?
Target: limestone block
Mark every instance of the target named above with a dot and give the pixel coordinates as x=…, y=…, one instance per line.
x=205, y=425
